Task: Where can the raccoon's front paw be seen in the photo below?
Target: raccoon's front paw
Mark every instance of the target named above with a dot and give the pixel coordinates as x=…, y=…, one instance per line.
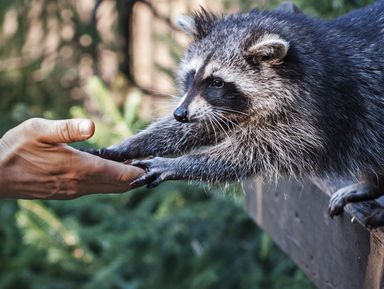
x=157, y=170
x=337, y=203
x=350, y=194
x=344, y=196
x=375, y=219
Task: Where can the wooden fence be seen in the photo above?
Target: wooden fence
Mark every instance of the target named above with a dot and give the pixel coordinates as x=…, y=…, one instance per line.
x=337, y=253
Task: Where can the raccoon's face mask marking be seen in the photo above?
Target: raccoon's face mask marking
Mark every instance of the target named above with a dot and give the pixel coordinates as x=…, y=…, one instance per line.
x=207, y=96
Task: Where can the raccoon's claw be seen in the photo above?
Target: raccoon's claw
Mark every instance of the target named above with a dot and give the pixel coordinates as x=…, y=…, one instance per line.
x=142, y=180
x=345, y=195
x=336, y=204
x=157, y=171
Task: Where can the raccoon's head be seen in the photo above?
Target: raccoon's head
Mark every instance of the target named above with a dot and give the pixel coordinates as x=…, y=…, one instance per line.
x=232, y=69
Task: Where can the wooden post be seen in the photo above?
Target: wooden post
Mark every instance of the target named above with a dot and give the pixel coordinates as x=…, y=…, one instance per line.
x=337, y=253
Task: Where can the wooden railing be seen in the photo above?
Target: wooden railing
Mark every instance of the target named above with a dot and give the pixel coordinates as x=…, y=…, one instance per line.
x=339, y=253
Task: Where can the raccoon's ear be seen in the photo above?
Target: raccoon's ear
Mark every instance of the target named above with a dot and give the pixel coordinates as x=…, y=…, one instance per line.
x=186, y=24
x=270, y=49
x=199, y=24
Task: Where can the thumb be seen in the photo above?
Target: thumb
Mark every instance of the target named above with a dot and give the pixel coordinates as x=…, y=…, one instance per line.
x=67, y=131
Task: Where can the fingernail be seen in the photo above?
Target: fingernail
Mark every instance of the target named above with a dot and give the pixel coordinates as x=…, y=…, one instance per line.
x=85, y=127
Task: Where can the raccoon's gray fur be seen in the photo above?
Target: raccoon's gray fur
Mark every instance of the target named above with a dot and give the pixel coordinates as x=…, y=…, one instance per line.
x=272, y=93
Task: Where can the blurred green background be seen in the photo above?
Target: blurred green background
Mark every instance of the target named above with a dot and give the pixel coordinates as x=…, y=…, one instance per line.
x=113, y=61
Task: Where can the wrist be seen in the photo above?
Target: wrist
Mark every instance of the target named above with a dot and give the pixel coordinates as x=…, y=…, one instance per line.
x=135, y=150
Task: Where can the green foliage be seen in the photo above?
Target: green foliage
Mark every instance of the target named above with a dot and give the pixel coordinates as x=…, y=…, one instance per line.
x=176, y=236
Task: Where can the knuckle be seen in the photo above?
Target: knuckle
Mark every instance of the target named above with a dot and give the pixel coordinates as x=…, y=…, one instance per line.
x=73, y=187
x=34, y=121
x=33, y=125
x=60, y=188
x=64, y=130
x=122, y=178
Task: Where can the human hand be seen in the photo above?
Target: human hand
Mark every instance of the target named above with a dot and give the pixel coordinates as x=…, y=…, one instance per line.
x=36, y=163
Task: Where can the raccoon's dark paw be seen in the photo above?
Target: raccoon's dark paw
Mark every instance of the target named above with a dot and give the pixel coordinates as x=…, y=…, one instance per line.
x=375, y=219
x=157, y=170
x=358, y=192
x=338, y=200
x=336, y=205
x=107, y=153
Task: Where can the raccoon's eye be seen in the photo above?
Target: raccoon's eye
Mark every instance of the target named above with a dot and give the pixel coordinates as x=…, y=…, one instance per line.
x=217, y=83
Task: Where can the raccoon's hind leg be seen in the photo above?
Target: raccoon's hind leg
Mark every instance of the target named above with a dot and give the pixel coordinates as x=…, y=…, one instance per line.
x=363, y=191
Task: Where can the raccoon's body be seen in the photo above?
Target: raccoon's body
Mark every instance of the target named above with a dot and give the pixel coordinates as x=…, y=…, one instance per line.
x=273, y=93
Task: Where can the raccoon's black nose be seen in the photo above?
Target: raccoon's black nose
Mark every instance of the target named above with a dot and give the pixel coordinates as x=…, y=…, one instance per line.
x=181, y=114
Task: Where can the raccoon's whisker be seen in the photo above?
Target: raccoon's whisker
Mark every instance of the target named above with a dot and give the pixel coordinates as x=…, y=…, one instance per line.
x=207, y=127
x=231, y=110
x=210, y=130
x=214, y=120
x=222, y=119
x=225, y=119
x=217, y=120
x=213, y=127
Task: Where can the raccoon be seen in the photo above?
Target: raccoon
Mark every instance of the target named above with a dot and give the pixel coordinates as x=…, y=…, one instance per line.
x=273, y=93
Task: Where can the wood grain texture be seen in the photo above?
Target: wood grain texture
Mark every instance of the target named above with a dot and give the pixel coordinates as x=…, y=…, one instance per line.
x=334, y=253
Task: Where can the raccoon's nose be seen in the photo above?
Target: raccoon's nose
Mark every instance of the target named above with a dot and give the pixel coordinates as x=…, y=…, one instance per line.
x=181, y=114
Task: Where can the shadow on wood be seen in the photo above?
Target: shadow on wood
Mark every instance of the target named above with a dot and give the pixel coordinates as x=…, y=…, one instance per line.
x=334, y=253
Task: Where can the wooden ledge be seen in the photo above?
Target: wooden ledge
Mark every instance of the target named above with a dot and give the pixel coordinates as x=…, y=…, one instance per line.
x=337, y=253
